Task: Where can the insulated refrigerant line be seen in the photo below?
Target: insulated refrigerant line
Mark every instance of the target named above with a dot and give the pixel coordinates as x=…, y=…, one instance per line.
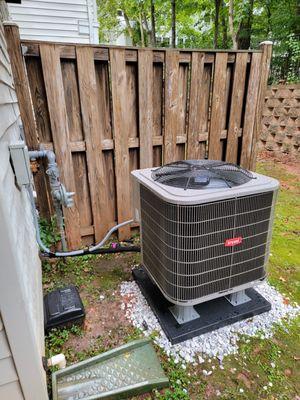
x=96, y=249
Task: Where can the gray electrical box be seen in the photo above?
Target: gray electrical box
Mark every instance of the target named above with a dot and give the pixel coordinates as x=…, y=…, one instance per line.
x=21, y=164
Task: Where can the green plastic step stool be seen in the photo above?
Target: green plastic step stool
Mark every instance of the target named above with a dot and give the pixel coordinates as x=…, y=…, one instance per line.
x=117, y=374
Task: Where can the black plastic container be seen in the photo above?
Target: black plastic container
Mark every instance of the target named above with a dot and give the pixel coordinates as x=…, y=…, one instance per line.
x=63, y=307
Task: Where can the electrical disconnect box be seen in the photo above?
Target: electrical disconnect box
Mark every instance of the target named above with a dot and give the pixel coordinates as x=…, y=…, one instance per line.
x=20, y=161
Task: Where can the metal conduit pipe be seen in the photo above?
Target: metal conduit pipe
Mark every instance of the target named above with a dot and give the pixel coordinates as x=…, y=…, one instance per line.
x=59, y=194
x=97, y=249
x=20, y=160
x=63, y=198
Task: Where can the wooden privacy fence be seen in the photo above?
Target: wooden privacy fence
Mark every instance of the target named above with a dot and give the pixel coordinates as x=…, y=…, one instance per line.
x=108, y=110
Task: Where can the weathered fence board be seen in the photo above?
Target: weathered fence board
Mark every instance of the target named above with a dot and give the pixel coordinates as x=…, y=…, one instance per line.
x=121, y=128
x=92, y=136
x=27, y=113
x=145, y=76
x=157, y=97
x=171, y=105
x=236, y=109
x=250, y=109
x=106, y=110
x=218, y=107
x=195, y=149
x=60, y=133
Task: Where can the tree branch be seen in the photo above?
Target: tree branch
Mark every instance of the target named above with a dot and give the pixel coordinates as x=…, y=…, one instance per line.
x=129, y=27
x=224, y=26
x=141, y=29
x=173, y=7
x=153, y=27
x=231, y=26
x=217, y=12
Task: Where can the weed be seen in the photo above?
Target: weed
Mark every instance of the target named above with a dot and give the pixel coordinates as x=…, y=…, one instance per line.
x=55, y=340
x=135, y=334
x=49, y=231
x=179, y=377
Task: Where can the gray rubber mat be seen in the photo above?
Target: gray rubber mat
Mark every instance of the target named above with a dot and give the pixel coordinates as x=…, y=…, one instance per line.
x=117, y=374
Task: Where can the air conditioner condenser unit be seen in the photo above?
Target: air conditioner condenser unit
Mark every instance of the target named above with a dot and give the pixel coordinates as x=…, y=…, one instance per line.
x=205, y=233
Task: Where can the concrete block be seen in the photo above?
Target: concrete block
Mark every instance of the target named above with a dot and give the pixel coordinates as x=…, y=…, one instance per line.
x=291, y=102
x=271, y=102
x=284, y=92
x=273, y=129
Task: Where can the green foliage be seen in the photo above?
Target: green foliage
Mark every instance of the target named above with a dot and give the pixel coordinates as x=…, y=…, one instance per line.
x=71, y=270
x=294, y=66
x=56, y=339
x=196, y=25
x=279, y=21
x=110, y=23
x=49, y=231
x=179, y=381
x=285, y=257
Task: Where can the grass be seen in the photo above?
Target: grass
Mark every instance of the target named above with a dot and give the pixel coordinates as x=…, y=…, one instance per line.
x=284, y=263
x=83, y=273
x=263, y=369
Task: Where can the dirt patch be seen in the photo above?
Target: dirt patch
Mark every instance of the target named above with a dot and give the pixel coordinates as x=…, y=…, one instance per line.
x=102, y=318
x=282, y=158
x=244, y=378
x=105, y=321
x=290, y=164
x=210, y=392
x=292, y=168
x=110, y=262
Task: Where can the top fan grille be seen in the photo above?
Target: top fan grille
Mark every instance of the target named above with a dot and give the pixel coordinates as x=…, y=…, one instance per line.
x=200, y=174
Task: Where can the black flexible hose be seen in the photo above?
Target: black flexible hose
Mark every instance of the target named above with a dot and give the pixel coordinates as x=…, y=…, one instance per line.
x=109, y=250
x=120, y=249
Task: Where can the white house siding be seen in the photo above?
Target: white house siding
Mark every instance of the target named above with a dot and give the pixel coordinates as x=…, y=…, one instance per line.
x=9, y=382
x=21, y=302
x=57, y=21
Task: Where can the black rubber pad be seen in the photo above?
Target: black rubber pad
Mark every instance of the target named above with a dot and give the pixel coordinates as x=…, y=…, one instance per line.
x=214, y=314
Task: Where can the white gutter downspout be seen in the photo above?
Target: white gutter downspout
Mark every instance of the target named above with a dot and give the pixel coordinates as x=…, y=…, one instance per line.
x=93, y=21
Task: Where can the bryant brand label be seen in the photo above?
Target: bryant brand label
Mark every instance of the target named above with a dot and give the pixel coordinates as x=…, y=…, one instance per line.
x=233, y=241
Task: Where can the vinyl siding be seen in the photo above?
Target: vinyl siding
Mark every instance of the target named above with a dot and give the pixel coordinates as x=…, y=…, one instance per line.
x=11, y=391
x=58, y=21
x=9, y=382
x=20, y=272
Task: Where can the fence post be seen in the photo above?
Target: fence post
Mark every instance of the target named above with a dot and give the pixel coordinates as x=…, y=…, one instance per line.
x=171, y=105
x=145, y=85
x=21, y=83
x=50, y=58
x=121, y=130
x=266, y=48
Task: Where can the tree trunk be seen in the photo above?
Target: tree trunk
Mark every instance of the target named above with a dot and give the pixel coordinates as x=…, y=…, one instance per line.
x=153, y=28
x=297, y=25
x=231, y=26
x=224, y=26
x=145, y=21
x=173, y=5
x=141, y=30
x=269, y=25
x=148, y=30
x=129, y=28
x=217, y=13
x=245, y=31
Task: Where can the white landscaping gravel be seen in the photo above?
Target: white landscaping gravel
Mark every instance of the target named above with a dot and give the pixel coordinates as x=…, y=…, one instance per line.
x=219, y=343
